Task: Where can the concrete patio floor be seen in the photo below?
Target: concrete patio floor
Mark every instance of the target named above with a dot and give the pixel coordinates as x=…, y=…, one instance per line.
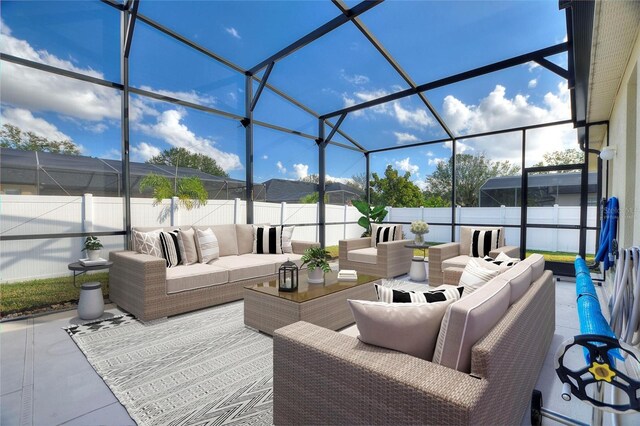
x=46, y=380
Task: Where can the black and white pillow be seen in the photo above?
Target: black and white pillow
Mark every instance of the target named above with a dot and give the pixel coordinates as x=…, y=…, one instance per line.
x=389, y=295
x=482, y=242
x=502, y=260
x=170, y=248
x=267, y=239
x=383, y=234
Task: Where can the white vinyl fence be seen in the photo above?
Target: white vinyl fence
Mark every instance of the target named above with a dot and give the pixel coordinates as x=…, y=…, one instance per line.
x=42, y=258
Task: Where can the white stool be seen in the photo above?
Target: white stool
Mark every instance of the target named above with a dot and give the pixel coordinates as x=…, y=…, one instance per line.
x=418, y=271
x=91, y=304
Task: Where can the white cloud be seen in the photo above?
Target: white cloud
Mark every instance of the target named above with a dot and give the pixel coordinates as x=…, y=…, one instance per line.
x=420, y=184
x=532, y=65
x=354, y=78
x=265, y=157
x=282, y=169
x=301, y=170
x=42, y=91
x=404, y=137
x=346, y=181
x=406, y=166
x=190, y=96
x=112, y=154
x=436, y=161
x=25, y=120
x=430, y=154
x=416, y=119
x=170, y=129
x=143, y=151
x=533, y=83
x=233, y=32
x=497, y=111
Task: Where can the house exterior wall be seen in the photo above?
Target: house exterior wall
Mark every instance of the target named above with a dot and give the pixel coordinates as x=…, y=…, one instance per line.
x=624, y=170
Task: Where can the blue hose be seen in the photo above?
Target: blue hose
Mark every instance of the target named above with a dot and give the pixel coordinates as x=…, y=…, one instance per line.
x=608, y=233
x=589, y=312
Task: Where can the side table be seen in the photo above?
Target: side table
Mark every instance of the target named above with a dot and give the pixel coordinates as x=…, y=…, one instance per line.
x=91, y=303
x=418, y=271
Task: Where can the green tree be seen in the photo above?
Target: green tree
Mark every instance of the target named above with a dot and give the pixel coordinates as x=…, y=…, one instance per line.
x=472, y=171
x=190, y=190
x=395, y=190
x=13, y=137
x=559, y=158
x=313, y=198
x=181, y=157
x=359, y=181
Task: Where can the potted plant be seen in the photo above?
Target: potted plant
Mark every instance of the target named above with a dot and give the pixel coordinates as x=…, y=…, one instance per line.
x=316, y=260
x=92, y=246
x=370, y=214
x=419, y=228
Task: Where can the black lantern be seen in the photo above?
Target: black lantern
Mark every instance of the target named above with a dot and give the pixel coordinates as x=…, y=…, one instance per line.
x=288, y=276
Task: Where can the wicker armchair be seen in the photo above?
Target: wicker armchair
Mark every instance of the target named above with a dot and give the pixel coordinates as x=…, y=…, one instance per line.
x=447, y=261
x=387, y=260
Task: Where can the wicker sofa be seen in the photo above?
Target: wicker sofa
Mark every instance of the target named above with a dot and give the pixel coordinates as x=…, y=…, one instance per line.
x=142, y=284
x=325, y=377
x=447, y=261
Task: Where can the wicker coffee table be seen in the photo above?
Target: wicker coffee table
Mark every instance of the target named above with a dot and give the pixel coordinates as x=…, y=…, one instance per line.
x=267, y=309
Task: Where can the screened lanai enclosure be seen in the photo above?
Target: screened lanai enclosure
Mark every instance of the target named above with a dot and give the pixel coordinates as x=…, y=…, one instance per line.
x=350, y=98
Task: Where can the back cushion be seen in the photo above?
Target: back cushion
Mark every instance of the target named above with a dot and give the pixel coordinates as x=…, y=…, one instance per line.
x=519, y=278
x=245, y=238
x=467, y=321
x=465, y=236
x=227, y=240
x=385, y=232
x=536, y=261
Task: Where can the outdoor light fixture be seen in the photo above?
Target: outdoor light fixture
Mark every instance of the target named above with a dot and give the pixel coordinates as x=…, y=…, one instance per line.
x=288, y=276
x=608, y=153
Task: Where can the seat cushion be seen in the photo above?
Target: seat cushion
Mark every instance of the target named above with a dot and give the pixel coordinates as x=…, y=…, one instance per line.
x=519, y=278
x=278, y=259
x=364, y=255
x=467, y=321
x=244, y=267
x=199, y=275
x=456, y=262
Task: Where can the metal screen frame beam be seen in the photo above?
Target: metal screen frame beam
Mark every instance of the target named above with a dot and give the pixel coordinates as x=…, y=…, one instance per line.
x=476, y=72
x=322, y=145
x=396, y=66
x=265, y=77
x=132, y=10
x=336, y=22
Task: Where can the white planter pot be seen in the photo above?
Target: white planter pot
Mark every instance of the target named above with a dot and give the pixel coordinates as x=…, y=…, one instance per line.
x=316, y=276
x=93, y=254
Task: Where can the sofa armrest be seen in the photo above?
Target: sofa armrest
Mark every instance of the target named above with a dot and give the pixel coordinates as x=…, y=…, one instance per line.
x=437, y=254
x=324, y=377
x=136, y=281
x=387, y=250
x=511, y=251
x=353, y=244
x=299, y=247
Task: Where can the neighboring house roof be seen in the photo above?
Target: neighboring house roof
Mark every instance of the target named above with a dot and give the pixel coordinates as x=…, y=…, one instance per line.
x=567, y=183
x=284, y=190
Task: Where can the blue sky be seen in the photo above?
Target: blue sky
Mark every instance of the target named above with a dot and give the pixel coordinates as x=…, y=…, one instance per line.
x=429, y=39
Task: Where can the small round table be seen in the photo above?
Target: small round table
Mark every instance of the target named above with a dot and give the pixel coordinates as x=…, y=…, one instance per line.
x=418, y=271
x=91, y=303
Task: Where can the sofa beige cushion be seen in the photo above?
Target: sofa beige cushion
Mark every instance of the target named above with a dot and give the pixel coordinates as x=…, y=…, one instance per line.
x=456, y=262
x=244, y=267
x=207, y=245
x=278, y=259
x=465, y=237
x=411, y=328
x=187, y=242
x=536, y=261
x=244, y=233
x=467, y=321
x=199, y=275
x=477, y=273
x=519, y=278
x=227, y=238
x=364, y=255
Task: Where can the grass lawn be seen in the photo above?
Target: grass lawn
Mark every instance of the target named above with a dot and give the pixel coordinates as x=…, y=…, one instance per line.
x=45, y=294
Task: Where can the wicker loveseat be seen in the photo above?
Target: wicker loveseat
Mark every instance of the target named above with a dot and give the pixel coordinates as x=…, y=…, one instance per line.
x=142, y=284
x=325, y=377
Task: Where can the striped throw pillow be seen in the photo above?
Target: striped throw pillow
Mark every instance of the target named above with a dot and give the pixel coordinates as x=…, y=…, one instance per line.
x=267, y=239
x=207, y=245
x=170, y=248
x=383, y=234
x=475, y=275
x=482, y=242
x=389, y=295
x=502, y=260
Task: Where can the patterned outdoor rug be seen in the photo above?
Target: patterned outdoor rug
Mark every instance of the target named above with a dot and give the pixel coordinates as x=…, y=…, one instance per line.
x=199, y=368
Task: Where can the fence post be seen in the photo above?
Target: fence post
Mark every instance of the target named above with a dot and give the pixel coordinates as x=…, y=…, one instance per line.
x=174, y=211
x=503, y=214
x=87, y=213
x=388, y=218
x=283, y=212
x=556, y=220
x=344, y=225
x=422, y=213
x=317, y=221
x=236, y=209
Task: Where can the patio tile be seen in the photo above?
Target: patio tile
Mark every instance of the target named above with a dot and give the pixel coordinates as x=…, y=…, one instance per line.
x=12, y=356
x=113, y=414
x=10, y=406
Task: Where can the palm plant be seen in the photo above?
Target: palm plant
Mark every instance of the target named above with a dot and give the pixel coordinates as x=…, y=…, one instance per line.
x=189, y=190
